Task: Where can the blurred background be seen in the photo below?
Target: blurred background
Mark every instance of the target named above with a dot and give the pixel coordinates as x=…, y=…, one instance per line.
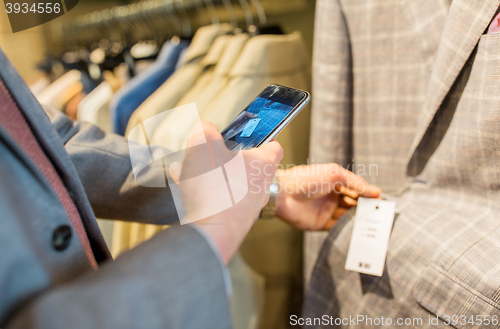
x=100, y=35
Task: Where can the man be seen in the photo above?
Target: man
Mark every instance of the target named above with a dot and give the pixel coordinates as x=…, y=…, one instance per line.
x=55, y=269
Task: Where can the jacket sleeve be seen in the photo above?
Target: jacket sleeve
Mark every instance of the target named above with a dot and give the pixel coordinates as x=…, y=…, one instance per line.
x=104, y=166
x=173, y=281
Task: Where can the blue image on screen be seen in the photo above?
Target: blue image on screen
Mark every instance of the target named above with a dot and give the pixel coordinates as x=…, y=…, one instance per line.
x=256, y=123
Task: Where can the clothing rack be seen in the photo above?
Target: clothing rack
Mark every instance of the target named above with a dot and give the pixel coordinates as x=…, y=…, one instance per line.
x=163, y=19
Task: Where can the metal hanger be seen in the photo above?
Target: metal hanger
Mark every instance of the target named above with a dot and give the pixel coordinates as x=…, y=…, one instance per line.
x=231, y=12
x=202, y=12
x=162, y=26
x=146, y=30
x=121, y=17
x=151, y=20
x=132, y=18
x=176, y=20
x=187, y=30
x=248, y=12
x=260, y=12
x=167, y=26
x=212, y=11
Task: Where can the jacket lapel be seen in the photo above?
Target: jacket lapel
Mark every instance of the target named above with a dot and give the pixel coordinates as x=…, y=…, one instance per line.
x=466, y=22
x=21, y=95
x=54, y=149
x=34, y=114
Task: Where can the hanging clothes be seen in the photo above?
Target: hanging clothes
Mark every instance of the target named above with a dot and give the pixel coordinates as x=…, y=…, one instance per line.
x=140, y=232
x=61, y=91
x=209, y=62
x=166, y=96
x=221, y=88
x=94, y=107
x=127, y=235
x=174, y=128
x=221, y=72
x=265, y=60
x=137, y=90
x=120, y=77
x=245, y=68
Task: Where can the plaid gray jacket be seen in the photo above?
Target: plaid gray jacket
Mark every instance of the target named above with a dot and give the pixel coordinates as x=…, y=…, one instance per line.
x=407, y=93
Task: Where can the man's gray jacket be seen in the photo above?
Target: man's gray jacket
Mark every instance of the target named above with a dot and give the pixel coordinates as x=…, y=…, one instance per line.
x=172, y=281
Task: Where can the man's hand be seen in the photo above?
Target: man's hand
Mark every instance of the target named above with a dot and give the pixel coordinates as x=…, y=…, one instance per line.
x=249, y=187
x=313, y=197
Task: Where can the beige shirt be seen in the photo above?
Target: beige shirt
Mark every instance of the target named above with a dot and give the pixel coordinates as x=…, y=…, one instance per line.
x=175, y=128
x=169, y=94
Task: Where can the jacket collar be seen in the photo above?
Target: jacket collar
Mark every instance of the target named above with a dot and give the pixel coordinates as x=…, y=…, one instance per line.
x=265, y=55
x=216, y=50
x=203, y=40
x=466, y=22
x=230, y=55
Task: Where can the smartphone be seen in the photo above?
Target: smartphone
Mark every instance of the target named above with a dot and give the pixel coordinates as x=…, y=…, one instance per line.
x=265, y=117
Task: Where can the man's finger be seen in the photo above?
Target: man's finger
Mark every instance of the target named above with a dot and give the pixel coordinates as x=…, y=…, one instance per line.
x=347, y=192
x=354, y=182
x=347, y=202
x=371, y=191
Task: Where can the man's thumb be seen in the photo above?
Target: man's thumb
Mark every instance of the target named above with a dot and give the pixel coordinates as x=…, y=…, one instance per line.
x=273, y=150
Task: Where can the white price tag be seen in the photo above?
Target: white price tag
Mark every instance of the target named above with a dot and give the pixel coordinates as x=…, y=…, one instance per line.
x=370, y=236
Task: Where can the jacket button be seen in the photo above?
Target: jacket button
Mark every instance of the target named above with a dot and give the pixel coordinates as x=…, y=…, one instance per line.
x=61, y=237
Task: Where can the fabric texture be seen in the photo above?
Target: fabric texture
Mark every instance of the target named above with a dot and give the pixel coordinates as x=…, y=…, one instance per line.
x=158, y=284
x=414, y=98
x=137, y=90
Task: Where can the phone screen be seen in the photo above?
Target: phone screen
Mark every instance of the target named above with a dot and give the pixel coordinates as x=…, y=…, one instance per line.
x=263, y=117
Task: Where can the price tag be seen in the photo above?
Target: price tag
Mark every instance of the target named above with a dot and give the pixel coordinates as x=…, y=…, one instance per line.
x=250, y=127
x=370, y=236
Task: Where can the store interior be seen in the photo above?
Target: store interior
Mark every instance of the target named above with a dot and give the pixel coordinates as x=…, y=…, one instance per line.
x=99, y=36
